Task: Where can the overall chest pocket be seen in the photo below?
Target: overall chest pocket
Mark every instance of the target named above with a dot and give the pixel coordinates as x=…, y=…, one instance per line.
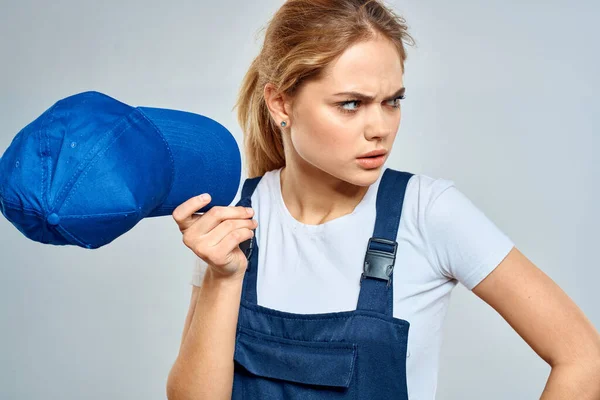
x=270, y=367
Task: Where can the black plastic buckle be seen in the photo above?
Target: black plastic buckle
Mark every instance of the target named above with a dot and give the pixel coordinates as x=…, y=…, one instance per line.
x=247, y=245
x=379, y=264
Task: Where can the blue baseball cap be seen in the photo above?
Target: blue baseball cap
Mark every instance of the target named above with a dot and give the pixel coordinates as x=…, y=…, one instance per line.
x=91, y=167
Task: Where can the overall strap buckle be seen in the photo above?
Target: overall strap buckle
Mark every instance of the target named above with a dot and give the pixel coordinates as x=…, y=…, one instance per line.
x=379, y=264
x=247, y=245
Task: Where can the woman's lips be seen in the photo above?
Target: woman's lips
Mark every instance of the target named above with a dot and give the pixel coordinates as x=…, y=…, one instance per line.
x=371, y=162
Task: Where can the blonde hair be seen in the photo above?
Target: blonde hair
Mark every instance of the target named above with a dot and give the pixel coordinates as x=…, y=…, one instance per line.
x=301, y=40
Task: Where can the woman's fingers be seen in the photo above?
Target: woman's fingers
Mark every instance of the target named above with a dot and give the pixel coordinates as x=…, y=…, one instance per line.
x=184, y=213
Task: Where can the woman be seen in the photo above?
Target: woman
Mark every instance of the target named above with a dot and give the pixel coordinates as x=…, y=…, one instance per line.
x=343, y=290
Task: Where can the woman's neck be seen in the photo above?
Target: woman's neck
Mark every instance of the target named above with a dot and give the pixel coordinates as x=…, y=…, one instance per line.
x=314, y=197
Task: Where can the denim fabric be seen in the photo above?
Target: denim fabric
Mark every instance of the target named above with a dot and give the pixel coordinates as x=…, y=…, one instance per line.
x=359, y=354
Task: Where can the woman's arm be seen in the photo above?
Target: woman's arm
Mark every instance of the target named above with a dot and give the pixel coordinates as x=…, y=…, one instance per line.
x=190, y=313
x=550, y=322
x=204, y=366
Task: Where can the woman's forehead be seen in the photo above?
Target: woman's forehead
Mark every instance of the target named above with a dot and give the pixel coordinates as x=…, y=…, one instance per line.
x=364, y=64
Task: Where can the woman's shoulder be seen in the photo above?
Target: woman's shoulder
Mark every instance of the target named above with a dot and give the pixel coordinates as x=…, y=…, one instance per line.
x=427, y=188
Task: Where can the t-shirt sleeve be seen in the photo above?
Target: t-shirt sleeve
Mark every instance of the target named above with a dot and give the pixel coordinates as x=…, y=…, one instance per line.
x=198, y=272
x=463, y=243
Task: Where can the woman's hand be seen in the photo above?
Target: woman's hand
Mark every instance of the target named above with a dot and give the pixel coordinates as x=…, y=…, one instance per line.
x=215, y=235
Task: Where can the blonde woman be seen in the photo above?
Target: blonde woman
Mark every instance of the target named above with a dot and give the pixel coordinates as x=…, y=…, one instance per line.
x=330, y=277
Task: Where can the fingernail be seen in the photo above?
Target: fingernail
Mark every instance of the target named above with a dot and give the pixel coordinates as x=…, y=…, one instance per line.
x=204, y=196
x=249, y=211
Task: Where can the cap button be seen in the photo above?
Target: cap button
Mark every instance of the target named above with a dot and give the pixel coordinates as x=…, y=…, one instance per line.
x=53, y=219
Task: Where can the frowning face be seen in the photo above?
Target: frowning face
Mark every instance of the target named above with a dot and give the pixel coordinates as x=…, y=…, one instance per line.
x=353, y=109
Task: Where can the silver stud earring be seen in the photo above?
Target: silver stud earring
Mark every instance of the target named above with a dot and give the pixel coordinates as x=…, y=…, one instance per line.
x=283, y=123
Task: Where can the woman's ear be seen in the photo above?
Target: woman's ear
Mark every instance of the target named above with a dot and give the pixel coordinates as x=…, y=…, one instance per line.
x=278, y=104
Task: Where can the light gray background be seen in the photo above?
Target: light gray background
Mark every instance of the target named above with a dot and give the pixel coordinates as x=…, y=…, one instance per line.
x=501, y=98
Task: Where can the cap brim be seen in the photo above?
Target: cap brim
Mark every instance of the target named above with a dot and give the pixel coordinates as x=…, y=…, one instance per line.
x=206, y=158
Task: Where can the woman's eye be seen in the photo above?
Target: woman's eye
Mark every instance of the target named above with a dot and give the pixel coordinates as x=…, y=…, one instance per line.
x=395, y=104
x=346, y=103
x=397, y=100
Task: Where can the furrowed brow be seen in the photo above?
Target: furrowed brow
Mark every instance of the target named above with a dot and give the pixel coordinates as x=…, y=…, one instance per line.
x=364, y=97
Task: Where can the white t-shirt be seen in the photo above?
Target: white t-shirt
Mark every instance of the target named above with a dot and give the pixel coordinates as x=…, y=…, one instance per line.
x=442, y=238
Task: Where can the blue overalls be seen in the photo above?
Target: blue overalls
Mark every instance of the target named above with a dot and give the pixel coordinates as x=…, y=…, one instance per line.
x=358, y=354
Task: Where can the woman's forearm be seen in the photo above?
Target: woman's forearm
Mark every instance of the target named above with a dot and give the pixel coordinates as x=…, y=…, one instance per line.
x=573, y=381
x=204, y=366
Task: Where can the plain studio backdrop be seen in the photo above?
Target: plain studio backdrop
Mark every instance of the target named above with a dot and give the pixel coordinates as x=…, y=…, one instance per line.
x=501, y=98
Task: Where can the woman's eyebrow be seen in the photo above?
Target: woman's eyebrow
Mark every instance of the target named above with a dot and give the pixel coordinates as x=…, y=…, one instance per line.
x=364, y=97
